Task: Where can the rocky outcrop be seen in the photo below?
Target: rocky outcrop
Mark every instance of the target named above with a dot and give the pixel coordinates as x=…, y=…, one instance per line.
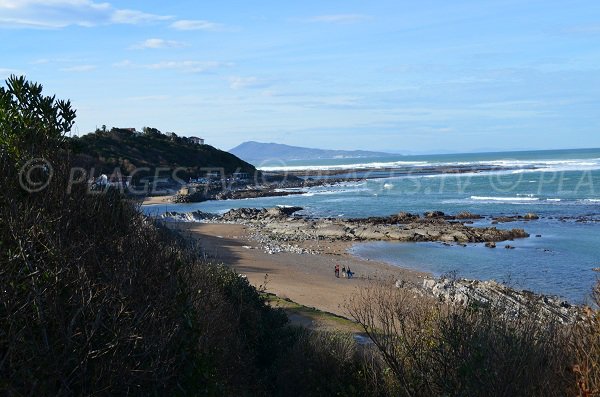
x=195, y=216
x=283, y=223
x=511, y=301
x=514, y=218
x=255, y=214
x=467, y=215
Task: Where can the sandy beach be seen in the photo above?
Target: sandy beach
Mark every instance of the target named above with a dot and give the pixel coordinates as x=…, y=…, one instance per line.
x=304, y=278
x=150, y=200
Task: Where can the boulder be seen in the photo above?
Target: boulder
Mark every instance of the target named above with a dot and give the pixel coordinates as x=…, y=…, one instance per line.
x=434, y=214
x=467, y=215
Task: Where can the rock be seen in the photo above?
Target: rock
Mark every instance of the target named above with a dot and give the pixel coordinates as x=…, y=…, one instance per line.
x=195, y=216
x=331, y=231
x=467, y=215
x=511, y=301
x=596, y=269
x=368, y=234
x=538, y=235
x=490, y=244
x=518, y=233
x=509, y=247
x=528, y=217
x=281, y=222
x=405, y=217
x=282, y=212
x=434, y=214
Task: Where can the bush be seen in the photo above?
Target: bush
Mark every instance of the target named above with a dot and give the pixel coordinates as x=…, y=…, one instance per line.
x=436, y=349
x=586, y=346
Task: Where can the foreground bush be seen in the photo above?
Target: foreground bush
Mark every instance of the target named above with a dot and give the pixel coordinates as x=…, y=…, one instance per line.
x=90, y=292
x=95, y=299
x=586, y=346
x=435, y=349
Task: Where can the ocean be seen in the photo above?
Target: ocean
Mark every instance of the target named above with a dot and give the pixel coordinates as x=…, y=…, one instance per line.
x=561, y=186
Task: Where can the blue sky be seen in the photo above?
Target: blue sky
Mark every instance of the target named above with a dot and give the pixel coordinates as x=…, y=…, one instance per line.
x=402, y=76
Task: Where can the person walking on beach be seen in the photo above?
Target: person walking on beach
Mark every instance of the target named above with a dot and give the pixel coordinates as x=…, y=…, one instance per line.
x=349, y=272
x=344, y=271
x=337, y=271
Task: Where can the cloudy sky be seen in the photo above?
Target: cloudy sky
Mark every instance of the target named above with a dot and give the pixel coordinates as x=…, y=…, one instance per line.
x=404, y=76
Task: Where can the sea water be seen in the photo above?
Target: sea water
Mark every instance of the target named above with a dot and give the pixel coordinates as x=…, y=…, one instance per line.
x=562, y=187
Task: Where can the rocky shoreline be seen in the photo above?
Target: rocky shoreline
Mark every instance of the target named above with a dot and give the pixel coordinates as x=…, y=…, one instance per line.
x=510, y=301
x=280, y=229
x=237, y=191
x=282, y=224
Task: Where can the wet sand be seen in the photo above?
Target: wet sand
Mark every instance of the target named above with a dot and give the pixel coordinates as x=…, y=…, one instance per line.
x=304, y=278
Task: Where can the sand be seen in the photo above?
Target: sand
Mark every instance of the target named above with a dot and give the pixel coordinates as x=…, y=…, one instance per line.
x=304, y=278
x=149, y=200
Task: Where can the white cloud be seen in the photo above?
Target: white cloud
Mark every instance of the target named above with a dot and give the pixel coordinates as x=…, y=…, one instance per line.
x=188, y=24
x=148, y=98
x=40, y=61
x=79, y=68
x=7, y=71
x=187, y=66
x=134, y=17
x=49, y=14
x=123, y=64
x=584, y=29
x=158, y=43
x=182, y=66
x=239, y=82
x=339, y=18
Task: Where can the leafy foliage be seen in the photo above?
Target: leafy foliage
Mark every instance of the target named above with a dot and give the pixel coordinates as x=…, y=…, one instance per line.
x=128, y=150
x=31, y=124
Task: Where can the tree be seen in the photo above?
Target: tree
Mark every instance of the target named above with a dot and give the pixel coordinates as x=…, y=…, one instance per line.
x=31, y=124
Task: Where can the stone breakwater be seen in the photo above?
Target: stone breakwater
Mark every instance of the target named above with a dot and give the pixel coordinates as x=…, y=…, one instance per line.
x=499, y=296
x=283, y=225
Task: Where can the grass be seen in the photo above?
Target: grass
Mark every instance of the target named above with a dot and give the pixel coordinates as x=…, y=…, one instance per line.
x=310, y=317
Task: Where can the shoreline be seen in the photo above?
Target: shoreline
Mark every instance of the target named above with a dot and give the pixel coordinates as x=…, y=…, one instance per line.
x=301, y=268
x=307, y=279
x=283, y=182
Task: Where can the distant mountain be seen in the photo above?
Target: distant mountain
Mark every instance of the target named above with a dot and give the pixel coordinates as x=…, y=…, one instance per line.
x=256, y=152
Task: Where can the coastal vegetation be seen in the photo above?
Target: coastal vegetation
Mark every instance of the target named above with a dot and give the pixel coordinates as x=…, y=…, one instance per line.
x=97, y=299
x=108, y=149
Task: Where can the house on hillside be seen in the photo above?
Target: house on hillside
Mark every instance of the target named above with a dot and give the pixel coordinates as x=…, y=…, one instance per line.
x=242, y=176
x=214, y=175
x=196, y=140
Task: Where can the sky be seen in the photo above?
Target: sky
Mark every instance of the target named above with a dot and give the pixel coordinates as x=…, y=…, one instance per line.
x=387, y=75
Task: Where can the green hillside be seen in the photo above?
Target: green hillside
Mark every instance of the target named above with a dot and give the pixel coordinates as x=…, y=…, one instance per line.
x=106, y=150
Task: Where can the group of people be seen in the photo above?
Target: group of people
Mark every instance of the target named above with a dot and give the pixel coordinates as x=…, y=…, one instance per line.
x=346, y=273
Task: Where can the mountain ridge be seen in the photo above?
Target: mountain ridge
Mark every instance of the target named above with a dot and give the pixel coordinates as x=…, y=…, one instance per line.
x=253, y=151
